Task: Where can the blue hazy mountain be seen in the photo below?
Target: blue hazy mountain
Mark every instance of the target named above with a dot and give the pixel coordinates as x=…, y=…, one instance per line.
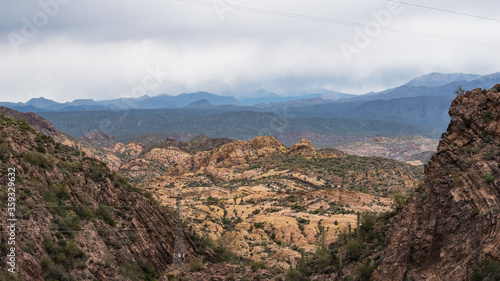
x=435, y=84
x=423, y=101
x=438, y=79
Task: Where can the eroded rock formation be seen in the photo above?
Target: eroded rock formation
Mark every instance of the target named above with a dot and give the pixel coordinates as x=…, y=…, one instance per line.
x=451, y=224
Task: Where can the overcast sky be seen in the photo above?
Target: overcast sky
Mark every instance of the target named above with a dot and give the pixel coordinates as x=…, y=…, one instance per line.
x=74, y=49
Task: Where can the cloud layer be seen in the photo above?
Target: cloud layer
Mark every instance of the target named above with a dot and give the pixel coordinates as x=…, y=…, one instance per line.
x=66, y=50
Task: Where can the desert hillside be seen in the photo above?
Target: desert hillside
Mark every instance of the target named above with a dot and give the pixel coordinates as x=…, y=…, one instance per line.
x=77, y=220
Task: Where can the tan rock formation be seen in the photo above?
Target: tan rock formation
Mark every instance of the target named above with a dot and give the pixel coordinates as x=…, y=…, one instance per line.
x=304, y=147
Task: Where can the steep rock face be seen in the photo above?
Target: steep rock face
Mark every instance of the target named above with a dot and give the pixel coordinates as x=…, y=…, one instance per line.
x=452, y=223
x=79, y=221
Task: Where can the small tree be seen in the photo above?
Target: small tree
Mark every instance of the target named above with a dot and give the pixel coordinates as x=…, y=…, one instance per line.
x=459, y=91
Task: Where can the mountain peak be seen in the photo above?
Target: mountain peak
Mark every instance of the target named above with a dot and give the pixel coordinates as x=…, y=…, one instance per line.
x=41, y=102
x=437, y=79
x=204, y=103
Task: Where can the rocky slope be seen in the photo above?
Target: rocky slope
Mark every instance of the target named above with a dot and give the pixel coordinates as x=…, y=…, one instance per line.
x=451, y=225
x=269, y=203
x=76, y=219
x=100, y=139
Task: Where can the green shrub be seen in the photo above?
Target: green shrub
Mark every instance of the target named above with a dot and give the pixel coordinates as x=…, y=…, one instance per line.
x=353, y=249
x=366, y=270
x=84, y=213
x=53, y=271
x=4, y=152
x=68, y=223
x=489, y=272
x=65, y=254
x=257, y=265
x=322, y=259
x=460, y=91
x=400, y=200
x=293, y=274
x=489, y=178
x=196, y=264
x=55, y=194
x=489, y=155
x=105, y=213
x=134, y=271
x=258, y=225
x=7, y=276
x=303, y=221
x=489, y=115
x=368, y=222
x=38, y=159
x=42, y=138
x=97, y=170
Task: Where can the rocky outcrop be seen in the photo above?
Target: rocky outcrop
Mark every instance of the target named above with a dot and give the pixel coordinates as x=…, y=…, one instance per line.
x=304, y=147
x=237, y=154
x=451, y=224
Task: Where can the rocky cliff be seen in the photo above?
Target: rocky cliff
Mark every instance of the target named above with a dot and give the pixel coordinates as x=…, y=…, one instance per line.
x=76, y=219
x=451, y=224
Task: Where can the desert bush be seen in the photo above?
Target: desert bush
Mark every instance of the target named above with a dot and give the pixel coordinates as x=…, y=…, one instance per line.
x=38, y=159
x=257, y=265
x=258, y=225
x=4, y=152
x=134, y=271
x=97, y=170
x=490, y=271
x=489, y=155
x=489, y=178
x=400, y=200
x=196, y=264
x=353, y=249
x=84, y=213
x=293, y=274
x=489, y=115
x=366, y=270
x=105, y=213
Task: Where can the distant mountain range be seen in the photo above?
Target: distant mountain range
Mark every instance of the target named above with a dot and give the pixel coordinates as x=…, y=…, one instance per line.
x=433, y=84
x=260, y=97
x=417, y=107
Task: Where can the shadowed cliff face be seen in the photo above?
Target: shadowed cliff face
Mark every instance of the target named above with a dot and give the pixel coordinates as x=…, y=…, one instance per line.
x=451, y=224
x=76, y=219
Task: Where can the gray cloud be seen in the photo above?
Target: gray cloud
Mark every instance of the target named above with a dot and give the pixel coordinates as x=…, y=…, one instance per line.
x=103, y=49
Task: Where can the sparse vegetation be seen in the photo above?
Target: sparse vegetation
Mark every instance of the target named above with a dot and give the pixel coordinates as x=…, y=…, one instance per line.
x=489, y=155
x=460, y=91
x=488, y=272
x=105, y=213
x=61, y=256
x=38, y=159
x=489, y=178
